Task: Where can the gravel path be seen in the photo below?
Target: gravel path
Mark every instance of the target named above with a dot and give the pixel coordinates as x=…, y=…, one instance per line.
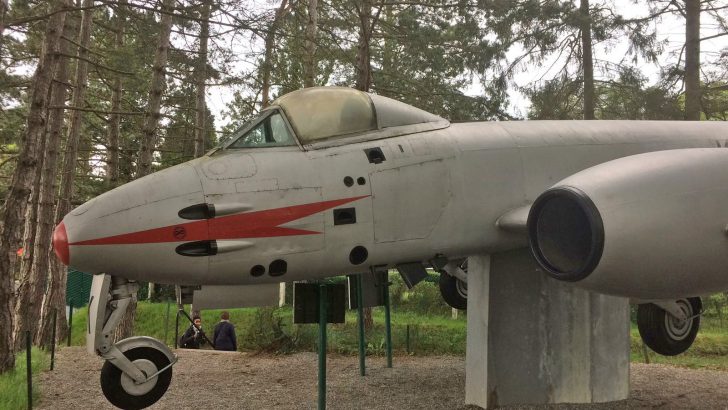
x=215, y=380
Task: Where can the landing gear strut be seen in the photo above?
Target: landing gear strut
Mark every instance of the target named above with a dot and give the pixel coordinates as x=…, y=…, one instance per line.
x=454, y=285
x=138, y=369
x=669, y=328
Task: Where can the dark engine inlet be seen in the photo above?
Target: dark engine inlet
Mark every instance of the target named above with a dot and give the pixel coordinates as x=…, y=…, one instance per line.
x=565, y=233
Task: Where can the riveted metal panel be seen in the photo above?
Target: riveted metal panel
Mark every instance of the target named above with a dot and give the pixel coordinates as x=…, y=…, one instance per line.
x=407, y=201
x=230, y=166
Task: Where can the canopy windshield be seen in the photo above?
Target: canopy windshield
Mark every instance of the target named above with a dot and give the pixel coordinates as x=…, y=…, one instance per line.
x=326, y=112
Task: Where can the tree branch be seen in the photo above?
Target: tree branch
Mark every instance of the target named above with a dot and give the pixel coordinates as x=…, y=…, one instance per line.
x=96, y=64
x=53, y=107
x=8, y=159
x=714, y=36
x=30, y=19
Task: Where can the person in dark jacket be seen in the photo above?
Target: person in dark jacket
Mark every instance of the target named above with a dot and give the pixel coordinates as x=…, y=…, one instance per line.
x=193, y=338
x=224, y=334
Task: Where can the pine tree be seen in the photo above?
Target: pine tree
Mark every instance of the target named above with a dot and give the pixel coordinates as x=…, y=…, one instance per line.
x=16, y=203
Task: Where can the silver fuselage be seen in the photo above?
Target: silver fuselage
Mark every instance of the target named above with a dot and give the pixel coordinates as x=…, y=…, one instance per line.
x=436, y=193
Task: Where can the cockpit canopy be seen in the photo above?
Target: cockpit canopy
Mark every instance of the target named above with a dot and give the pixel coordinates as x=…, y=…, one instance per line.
x=326, y=113
x=325, y=116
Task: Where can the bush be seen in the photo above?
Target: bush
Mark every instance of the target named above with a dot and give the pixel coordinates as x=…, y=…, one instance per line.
x=265, y=333
x=423, y=299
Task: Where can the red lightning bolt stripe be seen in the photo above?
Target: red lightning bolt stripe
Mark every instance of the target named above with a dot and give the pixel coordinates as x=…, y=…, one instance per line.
x=257, y=224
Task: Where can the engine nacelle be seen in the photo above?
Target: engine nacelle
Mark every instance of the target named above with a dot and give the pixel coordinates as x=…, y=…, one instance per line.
x=648, y=226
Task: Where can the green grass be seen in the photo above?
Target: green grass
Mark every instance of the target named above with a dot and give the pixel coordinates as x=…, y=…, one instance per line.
x=13, y=393
x=432, y=331
x=709, y=351
x=428, y=334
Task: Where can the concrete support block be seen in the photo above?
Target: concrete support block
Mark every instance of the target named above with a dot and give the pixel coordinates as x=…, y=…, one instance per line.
x=534, y=340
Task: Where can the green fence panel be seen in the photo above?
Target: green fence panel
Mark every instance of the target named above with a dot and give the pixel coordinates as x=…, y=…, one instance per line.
x=78, y=288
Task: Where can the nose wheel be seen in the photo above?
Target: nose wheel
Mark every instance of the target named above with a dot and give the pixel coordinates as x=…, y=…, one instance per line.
x=122, y=391
x=666, y=333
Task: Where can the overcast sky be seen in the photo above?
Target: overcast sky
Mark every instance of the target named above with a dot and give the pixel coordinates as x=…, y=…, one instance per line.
x=670, y=28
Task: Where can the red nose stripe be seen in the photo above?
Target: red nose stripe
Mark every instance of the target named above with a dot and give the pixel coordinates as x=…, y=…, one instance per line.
x=60, y=243
x=258, y=224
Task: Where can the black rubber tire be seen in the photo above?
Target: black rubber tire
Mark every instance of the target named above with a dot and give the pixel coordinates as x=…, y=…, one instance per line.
x=449, y=292
x=653, y=329
x=115, y=393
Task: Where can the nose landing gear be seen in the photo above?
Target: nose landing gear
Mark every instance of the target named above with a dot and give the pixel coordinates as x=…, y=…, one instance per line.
x=669, y=328
x=138, y=370
x=122, y=391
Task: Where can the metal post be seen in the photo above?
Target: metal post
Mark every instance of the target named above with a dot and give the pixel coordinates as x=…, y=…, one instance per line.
x=53, y=338
x=29, y=370
x=387, y=322
x=415, y=335
x=360, y=322
x=322, y=348
x=407, y=339
x=166, y=323
x=645, y=353
x=176, y=330
x=70, y=324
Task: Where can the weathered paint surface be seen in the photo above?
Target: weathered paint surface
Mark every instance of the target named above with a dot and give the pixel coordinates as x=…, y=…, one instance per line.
x=437, y=192
x=410, y=188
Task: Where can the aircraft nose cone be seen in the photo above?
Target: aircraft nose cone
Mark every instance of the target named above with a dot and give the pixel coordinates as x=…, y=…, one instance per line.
x=60, y=243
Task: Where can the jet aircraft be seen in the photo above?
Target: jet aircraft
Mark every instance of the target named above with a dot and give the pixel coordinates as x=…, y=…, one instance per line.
x=329, y=181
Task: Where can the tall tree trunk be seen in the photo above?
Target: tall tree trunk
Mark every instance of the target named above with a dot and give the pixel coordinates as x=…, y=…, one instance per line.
x=587, y=60
x=55, y=296
x=205, y=27
x=43, y=254
x=31, y=214
x=149, y=134
x=3, y=11
x=114, y=130
x=363, y=57
x=19, y=190
x=74, y=129
x=29, y=294
x=152, y=114
x=364, y=81
x=270, y=40
x=54, y=300
x=201, y=77
x=311, y=30
x=388, y=50
x=692, y=60
x=34, y=265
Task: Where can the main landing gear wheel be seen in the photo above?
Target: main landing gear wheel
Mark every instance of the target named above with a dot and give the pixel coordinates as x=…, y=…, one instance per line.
x=666, y=334
x=454, y=291
x=124, y=393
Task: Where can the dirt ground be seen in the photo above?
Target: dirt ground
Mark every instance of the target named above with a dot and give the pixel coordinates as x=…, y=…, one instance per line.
x=214, y=380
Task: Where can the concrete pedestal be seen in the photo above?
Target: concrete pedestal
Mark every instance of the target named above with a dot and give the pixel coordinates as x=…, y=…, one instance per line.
x=534, y=340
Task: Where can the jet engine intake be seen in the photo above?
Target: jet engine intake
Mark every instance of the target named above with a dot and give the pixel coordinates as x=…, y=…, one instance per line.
x=649, y=226
x=566, y=234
